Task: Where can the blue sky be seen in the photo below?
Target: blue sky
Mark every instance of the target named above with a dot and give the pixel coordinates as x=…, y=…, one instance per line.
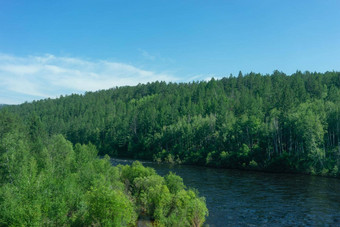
x=52, y=48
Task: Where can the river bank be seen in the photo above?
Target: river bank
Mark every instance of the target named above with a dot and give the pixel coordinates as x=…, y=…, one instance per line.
x=247, y=198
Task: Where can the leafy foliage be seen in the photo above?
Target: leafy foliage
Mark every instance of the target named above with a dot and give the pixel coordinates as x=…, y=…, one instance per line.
x=250, y=121
x=53, y=183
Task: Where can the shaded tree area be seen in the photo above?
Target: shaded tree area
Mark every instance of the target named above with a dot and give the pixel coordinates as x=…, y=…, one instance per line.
x=263, y=122
x=46, y=181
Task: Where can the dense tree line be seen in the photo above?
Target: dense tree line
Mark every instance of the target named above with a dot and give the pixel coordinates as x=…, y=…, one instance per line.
x=274, y=122
x=46, y=181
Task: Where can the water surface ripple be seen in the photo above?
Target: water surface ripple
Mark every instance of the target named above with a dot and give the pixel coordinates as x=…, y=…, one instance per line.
x=244, y=198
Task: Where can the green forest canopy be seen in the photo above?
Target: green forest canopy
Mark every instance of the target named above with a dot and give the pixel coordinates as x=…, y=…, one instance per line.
x=277, y=122
x=46, y=181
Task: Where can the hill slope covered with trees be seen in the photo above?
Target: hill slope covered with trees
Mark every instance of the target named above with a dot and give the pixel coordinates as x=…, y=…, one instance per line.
x=277, y=122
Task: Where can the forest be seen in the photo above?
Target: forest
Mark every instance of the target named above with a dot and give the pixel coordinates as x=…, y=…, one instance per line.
x=46, y=181
x=273, y=122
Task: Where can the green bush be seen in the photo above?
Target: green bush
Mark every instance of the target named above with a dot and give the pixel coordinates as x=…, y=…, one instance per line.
x=57, y=184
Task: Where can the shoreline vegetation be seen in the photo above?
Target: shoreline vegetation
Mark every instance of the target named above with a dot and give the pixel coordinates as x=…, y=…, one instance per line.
x=274, y=123
x=243, y=169
x=46, y=181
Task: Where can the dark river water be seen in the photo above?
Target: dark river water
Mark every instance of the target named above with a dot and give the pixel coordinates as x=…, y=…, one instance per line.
x=243, y=198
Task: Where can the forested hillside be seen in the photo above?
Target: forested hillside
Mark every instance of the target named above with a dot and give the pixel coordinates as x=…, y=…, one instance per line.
x=274, y=122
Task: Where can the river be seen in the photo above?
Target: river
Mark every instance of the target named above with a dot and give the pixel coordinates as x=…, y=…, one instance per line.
x=244, y=198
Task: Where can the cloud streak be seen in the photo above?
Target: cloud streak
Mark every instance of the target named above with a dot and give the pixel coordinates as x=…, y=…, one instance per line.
x=147, y=55
x=36, y=77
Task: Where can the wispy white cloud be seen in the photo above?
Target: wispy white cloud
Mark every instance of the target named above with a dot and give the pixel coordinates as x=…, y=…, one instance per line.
x=155, y=57
x=202, y=77
x=147, y=55
x=36, y=77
